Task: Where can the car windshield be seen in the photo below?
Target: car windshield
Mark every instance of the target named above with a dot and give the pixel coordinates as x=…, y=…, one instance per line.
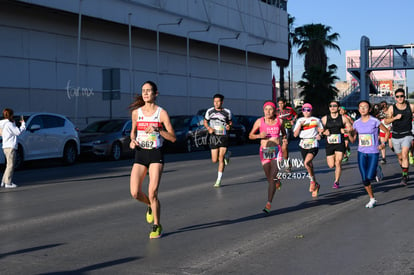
x=107, y=126
x=180, y=122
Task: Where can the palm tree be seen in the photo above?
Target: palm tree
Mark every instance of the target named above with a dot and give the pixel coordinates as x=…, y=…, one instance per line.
x=312, y=41
x=283, y=63
x=318, y=88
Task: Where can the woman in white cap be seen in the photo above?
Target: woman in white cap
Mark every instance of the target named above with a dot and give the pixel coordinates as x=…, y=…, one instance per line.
x=308, y=128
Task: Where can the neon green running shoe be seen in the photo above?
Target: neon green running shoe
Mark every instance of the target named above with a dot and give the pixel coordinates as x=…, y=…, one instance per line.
x=227, y=158
x=217, y=184
x=156, y=231
x=149, y=215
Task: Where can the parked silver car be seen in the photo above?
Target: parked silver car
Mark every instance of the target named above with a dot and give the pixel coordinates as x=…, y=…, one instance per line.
x=108, y=138
x=47, y=135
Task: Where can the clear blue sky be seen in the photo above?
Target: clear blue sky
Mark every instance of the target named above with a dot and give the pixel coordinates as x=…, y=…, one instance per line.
x=384, y=22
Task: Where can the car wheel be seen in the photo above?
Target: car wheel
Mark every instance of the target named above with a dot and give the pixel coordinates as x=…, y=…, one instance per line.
x=116, y=151
x=69, y=153
x=189, y=146
x=19, y=159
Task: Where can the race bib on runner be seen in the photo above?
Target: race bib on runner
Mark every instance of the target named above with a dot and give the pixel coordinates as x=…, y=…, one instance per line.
x=269, y=152
x=366, y=140
x=334, y=139
x=287, y=125
x=219, y=130
x=147, y=140
x=308, y=143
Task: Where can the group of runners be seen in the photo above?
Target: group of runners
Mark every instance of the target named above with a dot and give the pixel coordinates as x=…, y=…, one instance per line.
x=151, y=125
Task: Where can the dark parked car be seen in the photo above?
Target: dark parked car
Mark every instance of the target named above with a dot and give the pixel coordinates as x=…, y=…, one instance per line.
x=190, y=132
x=247, y=122
x=108, y=138
x=237, y=132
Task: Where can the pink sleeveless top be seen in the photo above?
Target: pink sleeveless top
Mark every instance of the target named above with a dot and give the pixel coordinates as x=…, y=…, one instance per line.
x=271, y=130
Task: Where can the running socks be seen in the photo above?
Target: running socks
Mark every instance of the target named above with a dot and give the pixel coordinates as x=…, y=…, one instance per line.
x=404, y=171
x=267, y=207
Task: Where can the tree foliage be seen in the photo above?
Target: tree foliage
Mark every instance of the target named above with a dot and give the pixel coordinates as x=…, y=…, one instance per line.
x=312, y=41
x=318, y=79
x=318, y=88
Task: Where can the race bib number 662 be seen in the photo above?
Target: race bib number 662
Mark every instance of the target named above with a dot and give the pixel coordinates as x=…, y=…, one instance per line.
x=147, y=141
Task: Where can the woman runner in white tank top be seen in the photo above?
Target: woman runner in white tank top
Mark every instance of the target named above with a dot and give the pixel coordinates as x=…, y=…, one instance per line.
x=150, y=126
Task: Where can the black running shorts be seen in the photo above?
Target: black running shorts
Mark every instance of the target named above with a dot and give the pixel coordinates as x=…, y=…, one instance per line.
x=218, y=141
x=147, y=156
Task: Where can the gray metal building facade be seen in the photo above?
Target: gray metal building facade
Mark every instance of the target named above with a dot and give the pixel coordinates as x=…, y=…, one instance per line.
x=53, y=54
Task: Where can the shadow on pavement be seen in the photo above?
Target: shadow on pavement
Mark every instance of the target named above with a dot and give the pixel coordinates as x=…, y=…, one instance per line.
x=339, y=197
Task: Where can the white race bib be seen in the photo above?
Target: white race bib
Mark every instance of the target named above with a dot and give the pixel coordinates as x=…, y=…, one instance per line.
x=366, y=140
x=269, y=152
x=219, y=130
x=308, y=143
x=147, y=140
x=334, y=139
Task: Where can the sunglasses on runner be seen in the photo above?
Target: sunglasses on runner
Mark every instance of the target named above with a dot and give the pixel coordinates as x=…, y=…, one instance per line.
x=306, y=109
x=333, y=105
x=399, y=96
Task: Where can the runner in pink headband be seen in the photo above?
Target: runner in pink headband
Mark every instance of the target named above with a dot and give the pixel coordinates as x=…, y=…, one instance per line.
x=269, y=104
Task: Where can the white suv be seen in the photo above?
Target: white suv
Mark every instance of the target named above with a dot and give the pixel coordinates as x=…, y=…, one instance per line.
x=47, y=135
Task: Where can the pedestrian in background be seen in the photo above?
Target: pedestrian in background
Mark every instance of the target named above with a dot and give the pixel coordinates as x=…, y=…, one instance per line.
x=347, y=153
x=381, y=116
x=288, y=116
x=150, y=126
x=218, y=121
x=9, y=134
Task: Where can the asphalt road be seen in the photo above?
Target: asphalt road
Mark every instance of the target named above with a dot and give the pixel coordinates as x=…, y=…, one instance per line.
x=81, y=219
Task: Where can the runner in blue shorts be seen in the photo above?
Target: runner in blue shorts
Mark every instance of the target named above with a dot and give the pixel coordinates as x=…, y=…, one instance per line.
x=367, y=128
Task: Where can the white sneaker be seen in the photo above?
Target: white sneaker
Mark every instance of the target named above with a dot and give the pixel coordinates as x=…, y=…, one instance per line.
x=11, y=185
x=371, y=203
x=227, y=158
x=218, y=183
x=2, y=184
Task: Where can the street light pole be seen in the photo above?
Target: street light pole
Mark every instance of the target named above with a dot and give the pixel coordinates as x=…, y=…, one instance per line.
x=131, y=82
x=219, y=59
x=247, y=69
x=158, y=43
x=78, y=59
x=187, y=66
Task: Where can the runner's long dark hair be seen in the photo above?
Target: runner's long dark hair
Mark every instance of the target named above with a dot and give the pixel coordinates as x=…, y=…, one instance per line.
x=138, y=100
